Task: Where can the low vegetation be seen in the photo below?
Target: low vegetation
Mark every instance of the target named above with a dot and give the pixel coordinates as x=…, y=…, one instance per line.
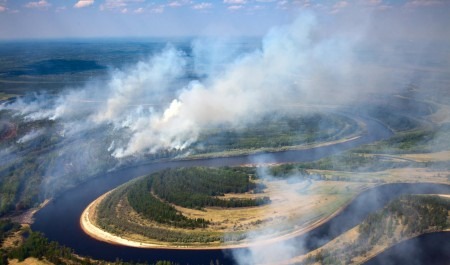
x=405, y=217
x=36, y=245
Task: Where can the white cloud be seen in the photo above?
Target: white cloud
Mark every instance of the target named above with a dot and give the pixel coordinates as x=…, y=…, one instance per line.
x=61, y=9
x=174, y=4
x=2, y=9
x=158, y=9
x=283, y=4
x=139, y=10
x=202, y=6
x=113, y=4
x=235, y=7
x=38, y=4
x=120, y=5
x=422, y=3
x=83, y=3
x=235, y=2
x=374, y=2
x=339, y=6
x=179, y=3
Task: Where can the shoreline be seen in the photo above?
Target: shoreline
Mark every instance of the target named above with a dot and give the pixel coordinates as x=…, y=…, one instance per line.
x=384, y=248
x=268, y=150
x=99, y=234
x=26, y=218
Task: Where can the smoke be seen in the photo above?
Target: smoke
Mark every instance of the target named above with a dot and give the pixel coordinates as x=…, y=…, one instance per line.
x=163, y=111
x=162, y=107
x=258, y=252
x=30, y=136
x=165, y=102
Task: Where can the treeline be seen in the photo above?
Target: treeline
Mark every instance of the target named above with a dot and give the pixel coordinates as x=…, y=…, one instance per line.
x=418, y=214
x=407, y=216
x=286, y=171
x=199, y=187
x=152, y=208
x=276, y=131
x=119, y=223
x=36, y=245
x=415, y=141
x=45, y=157
x=348, y=161
x=6, y=228
x=396, y=121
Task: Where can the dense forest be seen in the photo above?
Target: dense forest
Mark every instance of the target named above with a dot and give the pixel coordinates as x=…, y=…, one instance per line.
x=36, y=152
x=152, y=208
x=199, y=187
x=195, y=187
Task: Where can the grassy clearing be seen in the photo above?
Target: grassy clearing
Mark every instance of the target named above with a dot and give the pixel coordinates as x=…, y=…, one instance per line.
x=294, y=206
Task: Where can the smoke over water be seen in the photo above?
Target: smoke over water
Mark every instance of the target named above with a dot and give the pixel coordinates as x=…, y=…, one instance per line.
x=162, y=109
x=165, y=102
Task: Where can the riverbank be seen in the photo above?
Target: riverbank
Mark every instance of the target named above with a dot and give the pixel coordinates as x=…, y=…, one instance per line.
x=355, y=251
x=27, y=216
x=233, y=153
x=87, y=223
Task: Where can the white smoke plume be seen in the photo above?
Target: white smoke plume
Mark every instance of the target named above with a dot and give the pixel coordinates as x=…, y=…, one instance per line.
x=30, y=136
x=163, y=108
x=262, y=249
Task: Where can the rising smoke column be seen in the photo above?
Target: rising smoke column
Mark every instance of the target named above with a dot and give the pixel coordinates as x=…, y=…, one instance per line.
x=290, y=68
x=297, y=64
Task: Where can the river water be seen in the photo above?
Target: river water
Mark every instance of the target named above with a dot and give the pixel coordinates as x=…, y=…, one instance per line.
x=433, y=248
x=59, y=220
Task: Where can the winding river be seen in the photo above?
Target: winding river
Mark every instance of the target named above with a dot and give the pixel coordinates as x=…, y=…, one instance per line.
x=59, y=220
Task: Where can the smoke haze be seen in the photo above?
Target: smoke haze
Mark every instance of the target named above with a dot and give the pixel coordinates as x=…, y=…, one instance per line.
x=166, y=101
x=163, y=109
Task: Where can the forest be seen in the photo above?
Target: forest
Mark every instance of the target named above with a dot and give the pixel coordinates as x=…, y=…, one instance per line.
x=118, y=222
x=36, y=245
x=199, y=187
x=276, y=131
x=152, y=208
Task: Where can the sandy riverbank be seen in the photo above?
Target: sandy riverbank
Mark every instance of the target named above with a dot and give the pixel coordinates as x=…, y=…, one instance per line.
x=89, y=227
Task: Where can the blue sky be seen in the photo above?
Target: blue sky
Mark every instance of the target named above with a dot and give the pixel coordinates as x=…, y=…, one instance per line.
x=161, y=18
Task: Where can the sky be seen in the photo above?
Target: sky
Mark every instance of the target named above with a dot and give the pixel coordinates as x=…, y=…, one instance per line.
x=25, y=19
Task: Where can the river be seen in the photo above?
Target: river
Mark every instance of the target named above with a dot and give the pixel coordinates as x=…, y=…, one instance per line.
x=59, y=220
x=433, y=248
